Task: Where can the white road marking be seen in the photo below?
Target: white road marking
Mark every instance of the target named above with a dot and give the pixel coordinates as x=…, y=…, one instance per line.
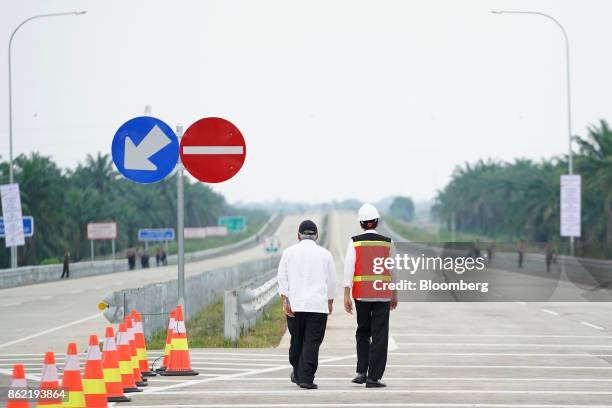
x=363, y=390
x=540, y=367
x=504, y=354
x=250, y=372
x=550, y=312
x=42, y=333
x=377, y=404
x=28, y=376
x=501, y=335
x=213, y=150
x=508, y=345
x=11, y=304
x=521, y=303
x=477, y=379
x=594, y=326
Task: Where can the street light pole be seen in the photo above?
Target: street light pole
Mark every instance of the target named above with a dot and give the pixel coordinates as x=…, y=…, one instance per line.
x=10, y=96
x=570, y=163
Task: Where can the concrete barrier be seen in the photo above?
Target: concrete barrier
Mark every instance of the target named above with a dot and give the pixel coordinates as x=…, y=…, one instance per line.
x=154, y=301
x=28, y=275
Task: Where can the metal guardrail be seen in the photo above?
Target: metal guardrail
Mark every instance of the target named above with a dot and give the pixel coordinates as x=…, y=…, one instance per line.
x=28, y=275
x=246, y=304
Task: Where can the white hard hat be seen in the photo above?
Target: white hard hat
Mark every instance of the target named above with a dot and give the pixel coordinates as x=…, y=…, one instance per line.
x=368, y=212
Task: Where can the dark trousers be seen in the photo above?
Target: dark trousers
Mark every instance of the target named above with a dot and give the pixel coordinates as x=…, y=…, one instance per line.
x=65, y=271
x=307, y=331
x=372, y=338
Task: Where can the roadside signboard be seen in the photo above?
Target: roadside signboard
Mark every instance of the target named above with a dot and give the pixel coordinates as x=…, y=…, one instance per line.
x=203, y=232
x=12, y=215
x=101, y=230
x=156, y=234
x=145, y=149
x=234, y=224
x=28, y=226
x=213, y=150
x=570, y=205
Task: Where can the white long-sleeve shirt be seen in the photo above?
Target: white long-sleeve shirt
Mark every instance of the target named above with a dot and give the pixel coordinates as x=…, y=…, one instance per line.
x=349, y=266
x=307, y=277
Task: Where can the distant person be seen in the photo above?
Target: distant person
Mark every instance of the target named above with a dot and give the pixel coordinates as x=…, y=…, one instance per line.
x=144, y=259
x=521, y=253
x=164, y=257
x=157, y=256
x=131, y=257
x=475, y=251
x=549, y=254
x=66, y=265
x=307, y=284
x=490, y=250
x=373, y=306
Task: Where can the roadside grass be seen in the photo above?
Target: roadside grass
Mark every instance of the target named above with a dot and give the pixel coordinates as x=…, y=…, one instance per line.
x=417, y=233
x=205, y=330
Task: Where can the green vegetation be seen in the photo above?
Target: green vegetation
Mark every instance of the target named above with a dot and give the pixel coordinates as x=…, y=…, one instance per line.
x=64, y=201
x=206, y=329
x=520, y=200
x=402, y=208
x=428, y=233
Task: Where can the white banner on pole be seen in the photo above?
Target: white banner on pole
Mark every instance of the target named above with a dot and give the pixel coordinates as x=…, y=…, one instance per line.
x=101, y=230
x=203, y=232
x=570, y=205
x=12, y=215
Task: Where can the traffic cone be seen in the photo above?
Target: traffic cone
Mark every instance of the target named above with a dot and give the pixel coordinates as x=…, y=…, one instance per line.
x=49, y=383
x=110, y=368
x=125, y=361
x=140, y=382
x=93, y=379
x=18, y=385
x=141, y=345
x=179, y=362
x=71, y=379
x=171, y=323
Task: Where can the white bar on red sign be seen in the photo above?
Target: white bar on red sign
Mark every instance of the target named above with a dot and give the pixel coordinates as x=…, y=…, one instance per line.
x=213, y=150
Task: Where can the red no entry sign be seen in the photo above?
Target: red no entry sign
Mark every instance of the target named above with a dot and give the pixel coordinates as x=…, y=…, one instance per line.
x=213, y=150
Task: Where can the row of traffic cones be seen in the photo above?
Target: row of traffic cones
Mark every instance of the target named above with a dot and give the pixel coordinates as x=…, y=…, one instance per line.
x=119, y=369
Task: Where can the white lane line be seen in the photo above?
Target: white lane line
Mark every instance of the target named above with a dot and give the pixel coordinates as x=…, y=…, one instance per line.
x=42, y=333
x=503, y=354
x=550, y=312
x=220, y=369
x=250, y=372
x=508, y=345
x=503, y=335
x=241, y=364
x=363, y=390
x=594, y=326
x=539, y=367
x=195, y=352
x=518, y=302
x=377, y=404
x=213, y=150
x=477, y=379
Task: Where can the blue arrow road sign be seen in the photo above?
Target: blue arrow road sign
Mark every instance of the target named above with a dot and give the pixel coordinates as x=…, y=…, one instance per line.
x=156, y=234
x=28, y=226
x=145, y=149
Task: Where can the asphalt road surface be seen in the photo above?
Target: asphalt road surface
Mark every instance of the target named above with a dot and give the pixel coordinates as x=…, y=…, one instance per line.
x=442, y=354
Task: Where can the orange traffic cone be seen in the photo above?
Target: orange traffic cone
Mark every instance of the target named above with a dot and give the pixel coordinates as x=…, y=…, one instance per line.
x=93, y=379
x=140, y=382
x=179, y=362
x=171, y=324
x=125, y=361
x=71, y=379
x=17, y=394
x=110, y=368
x=50, y=395
x=141, y=345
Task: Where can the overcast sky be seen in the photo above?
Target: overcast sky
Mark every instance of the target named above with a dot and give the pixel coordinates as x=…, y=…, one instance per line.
x=336, y=99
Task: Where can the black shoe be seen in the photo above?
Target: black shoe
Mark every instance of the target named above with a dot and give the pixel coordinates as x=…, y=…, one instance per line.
x=374, y=384
x=308, y=386
x=360, y=379
x=293, y=378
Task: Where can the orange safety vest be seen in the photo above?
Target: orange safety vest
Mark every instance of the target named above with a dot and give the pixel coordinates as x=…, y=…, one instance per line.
x=371, y=250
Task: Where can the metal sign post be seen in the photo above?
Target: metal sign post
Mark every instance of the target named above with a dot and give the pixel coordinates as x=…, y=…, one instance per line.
x=180, y=224
x=91, y=241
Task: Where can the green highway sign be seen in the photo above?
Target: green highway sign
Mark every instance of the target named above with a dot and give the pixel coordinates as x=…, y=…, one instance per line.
x=234, y=224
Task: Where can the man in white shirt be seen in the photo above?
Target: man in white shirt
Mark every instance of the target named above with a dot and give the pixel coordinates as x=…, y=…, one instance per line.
x=307, y=284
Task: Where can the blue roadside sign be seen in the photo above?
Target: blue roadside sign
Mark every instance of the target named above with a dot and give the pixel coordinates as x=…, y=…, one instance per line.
x=145, y=149
x=28, y=226
x=156, y=234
